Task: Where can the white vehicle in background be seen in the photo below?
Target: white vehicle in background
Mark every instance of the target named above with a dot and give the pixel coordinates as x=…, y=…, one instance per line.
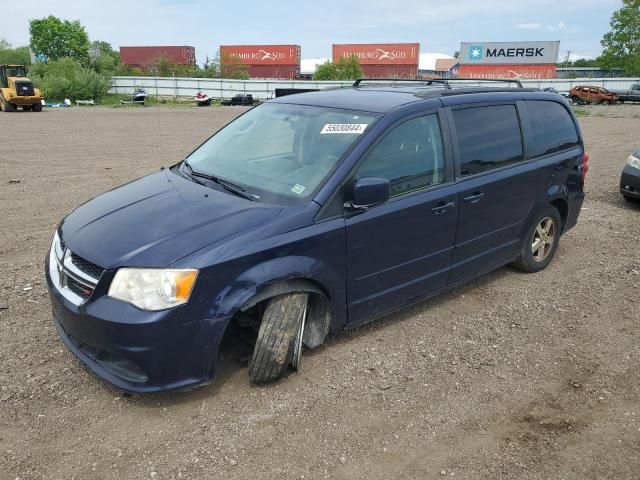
x=630, y=95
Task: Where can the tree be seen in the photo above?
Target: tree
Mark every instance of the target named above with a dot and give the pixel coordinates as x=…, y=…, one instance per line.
x=53, y=38
x=103, y=58
x=13, y=56
x=622, y=44
x=343, y=69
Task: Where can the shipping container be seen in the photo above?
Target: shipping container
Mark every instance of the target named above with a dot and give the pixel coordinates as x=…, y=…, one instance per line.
x=282, y=72
x=389, y=71
x=507, y=53
x=380, y=53
x=261, y=54
x=508, y=71
x=146, y=56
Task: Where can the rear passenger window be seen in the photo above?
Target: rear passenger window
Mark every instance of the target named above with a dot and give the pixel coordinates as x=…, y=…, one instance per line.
x=552, y=128
x=410, y=156
x=488, y=138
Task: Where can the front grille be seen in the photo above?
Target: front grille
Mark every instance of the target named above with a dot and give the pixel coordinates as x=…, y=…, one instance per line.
x=78, y=288
x=86, y=266
x=24, y=89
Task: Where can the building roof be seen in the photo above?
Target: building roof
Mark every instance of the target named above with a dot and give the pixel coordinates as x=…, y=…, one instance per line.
x=428, y=60
x=445, y=64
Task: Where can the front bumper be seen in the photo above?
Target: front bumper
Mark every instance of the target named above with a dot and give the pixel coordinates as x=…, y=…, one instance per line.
x=24, y=101
x=630, y=182
x=135, y=350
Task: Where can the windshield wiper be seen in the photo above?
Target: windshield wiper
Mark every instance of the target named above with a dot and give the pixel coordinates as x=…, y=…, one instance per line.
x=227, y=185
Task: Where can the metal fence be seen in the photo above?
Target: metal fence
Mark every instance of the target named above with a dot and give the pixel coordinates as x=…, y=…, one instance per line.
x=265, y=89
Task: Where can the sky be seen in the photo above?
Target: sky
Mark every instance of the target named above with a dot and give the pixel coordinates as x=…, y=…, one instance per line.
x=439, y=26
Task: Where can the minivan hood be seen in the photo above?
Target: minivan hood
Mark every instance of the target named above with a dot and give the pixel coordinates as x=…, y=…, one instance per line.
x=156, y=220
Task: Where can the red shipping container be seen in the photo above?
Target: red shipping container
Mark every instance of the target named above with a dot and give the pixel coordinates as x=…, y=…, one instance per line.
x=283, y=72
x=261, y=54
x=389, y=71
x=145, y=56
x=380, y=53
x=533, y=71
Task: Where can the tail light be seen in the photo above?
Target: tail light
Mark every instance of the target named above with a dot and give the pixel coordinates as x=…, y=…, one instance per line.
x=584, y=167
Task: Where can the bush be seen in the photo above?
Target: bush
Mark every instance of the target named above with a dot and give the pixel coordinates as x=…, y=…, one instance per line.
x=66, y=78
x=57, y=88
x=343, y=69
x=88, y=84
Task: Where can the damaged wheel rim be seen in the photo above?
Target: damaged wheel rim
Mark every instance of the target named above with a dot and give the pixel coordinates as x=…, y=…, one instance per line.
x=297, y=346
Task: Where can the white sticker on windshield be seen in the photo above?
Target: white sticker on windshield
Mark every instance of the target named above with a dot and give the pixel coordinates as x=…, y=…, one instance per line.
x=297, y=188
x=356, y=128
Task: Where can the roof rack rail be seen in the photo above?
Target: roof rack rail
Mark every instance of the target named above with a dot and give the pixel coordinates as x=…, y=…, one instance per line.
x=481, y=80
x=393, y=81
x=441, y=81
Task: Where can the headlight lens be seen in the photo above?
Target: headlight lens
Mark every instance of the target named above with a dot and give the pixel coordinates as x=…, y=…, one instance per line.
x=153, y=289
x=633, y=161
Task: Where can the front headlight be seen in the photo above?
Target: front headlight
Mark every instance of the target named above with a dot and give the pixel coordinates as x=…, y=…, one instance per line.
x=633, y=161
x=153, y=289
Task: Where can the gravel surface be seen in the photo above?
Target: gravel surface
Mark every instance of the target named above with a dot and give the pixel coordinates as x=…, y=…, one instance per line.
x=512, y=376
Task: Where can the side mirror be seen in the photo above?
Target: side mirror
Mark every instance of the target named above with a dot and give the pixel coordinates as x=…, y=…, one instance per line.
x=370, y=191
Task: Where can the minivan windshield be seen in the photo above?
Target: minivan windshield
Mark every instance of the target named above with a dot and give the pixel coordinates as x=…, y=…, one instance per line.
x=279, y=152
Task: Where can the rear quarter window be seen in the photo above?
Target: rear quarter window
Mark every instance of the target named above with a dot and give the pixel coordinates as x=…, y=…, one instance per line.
x=551, y=128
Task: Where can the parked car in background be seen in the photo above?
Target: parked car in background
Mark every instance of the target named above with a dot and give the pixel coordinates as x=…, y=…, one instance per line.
x=630, y=95
x=630, y=179
x=239, y=99
x=588, y=94
x=310, y=214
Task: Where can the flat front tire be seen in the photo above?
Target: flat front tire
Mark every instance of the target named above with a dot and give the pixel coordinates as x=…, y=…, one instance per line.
x=36, y=107
x=279, y=342
x=541, y=241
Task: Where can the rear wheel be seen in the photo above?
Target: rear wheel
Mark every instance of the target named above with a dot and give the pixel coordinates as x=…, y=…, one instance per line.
x=541, y=241
x=36, y=107
x=279, y=341
x=575, y=100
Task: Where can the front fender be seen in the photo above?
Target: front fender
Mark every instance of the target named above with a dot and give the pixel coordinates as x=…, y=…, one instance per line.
x=284, y=275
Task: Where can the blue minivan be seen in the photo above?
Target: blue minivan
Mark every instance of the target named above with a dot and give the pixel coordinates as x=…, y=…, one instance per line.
x=309, y=214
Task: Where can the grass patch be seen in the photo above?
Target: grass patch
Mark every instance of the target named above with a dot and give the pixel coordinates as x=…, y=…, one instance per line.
x=580, y=112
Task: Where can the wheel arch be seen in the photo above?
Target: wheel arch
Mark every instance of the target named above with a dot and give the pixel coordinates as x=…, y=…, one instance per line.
x=562, y=205
x=290, y=274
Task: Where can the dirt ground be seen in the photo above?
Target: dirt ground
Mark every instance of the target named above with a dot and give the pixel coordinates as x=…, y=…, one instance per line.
x=513, y=376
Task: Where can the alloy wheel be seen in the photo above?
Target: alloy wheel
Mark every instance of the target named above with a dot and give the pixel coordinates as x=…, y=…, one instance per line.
x=543, y=239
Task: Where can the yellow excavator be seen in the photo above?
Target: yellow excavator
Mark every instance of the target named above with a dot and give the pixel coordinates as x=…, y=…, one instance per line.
x=16, y=90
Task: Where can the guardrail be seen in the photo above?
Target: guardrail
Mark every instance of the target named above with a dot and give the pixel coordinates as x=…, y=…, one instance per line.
x=265, y=89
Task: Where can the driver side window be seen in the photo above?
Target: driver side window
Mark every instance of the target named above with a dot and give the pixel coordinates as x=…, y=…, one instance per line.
x=411, y=156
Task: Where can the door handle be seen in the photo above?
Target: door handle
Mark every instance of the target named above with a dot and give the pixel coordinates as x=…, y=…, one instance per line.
x=474, y=198
x=442, y=208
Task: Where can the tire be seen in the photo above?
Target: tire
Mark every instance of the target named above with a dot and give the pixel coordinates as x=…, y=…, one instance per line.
x=8, y=106
x=279, y=338
x=530, y=260
x=632, y=200
x=575, y=100
x=36, y=107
